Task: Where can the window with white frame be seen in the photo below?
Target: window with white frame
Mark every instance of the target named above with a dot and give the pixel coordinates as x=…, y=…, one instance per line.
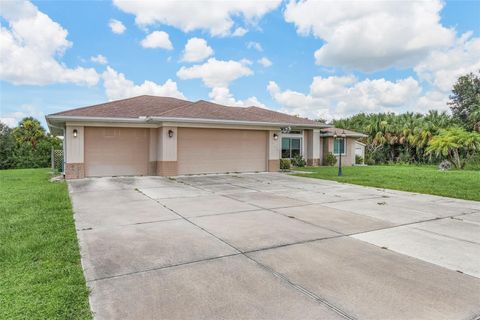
x=291, y=147
x=339, y=146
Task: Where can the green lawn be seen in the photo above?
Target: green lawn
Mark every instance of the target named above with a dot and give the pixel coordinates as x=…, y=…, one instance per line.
x=422, y=179
x=40, y=272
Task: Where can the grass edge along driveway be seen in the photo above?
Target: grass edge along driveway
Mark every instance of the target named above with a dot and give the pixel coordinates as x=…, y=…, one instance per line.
x=40, y=272
x=462, y=184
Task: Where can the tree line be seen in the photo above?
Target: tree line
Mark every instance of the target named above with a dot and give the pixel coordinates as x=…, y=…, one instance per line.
x=425, y=138
x=26, y=146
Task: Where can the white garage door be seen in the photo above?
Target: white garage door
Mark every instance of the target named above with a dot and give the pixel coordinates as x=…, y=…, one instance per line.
x=220, y=150
x=116, y=151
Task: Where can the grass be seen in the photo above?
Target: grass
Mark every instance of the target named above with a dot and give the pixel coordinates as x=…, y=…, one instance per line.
x=40, y=272
x=463, y=184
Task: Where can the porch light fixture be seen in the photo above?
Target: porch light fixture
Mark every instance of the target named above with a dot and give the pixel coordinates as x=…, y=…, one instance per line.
x=75, y=133
x=275, y=136
x=170, y=133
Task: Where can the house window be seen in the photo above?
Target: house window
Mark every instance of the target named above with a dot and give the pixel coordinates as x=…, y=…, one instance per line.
x=339, y=146
x=291, y=147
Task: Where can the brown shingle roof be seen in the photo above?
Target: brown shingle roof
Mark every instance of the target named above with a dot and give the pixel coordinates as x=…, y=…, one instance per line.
x=208, y=110
x=175, y=108
x=127, y=108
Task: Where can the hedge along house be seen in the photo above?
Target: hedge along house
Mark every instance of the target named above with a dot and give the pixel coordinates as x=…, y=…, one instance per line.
x=149, y=135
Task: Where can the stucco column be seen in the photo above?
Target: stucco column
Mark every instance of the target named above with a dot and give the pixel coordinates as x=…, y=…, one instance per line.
x=152, y=151
x=167, y=151
x=313, y=147
x=274, y=150
x=74, y=155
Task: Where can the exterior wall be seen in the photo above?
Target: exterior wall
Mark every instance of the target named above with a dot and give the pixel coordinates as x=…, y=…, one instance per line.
x=274, y=150
x=348, y=159
x=312, y=145
x=74, y=171
x=166, y=159
x=74, y=154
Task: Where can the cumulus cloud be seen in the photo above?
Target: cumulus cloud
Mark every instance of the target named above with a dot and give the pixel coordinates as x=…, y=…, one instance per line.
x=334, y=97
x=265, y=62
x=31, y=45
x=196, y=50
x=118, y=87
x=442, y=68
x=223, y=96
x=117, y=26
x=371, y=35
x=254, y=45
x=157, y=39
x=12, y=119
x=99, y=59
x=216, y=73
x=216, y=17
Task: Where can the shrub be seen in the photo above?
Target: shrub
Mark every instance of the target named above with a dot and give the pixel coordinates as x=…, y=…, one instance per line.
x=358, y=159
x=330, y=160
x=444, y=165
x=285, y=164
x=473, y=163
x=298, y=161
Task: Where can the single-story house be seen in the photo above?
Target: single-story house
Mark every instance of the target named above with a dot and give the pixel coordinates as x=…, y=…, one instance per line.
x=149, y=135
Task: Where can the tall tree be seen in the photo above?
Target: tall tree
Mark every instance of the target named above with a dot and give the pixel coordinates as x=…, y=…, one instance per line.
x=6, y=147
x=29, y=131
x=465, y=101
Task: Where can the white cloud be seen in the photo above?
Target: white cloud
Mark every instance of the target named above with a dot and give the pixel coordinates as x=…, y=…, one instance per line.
x=99, y=59
x=118, y=87
x=213, y=16
x=265, y=62
x=254, y=45
x=157, y=39
x=12, y=119
x=31, y=45
x=441, y=68
x=196, y=50
x=335, y=97
x=117, y=26
x=222, y=95
x=239, y=32
x=371, y=35
x=216, y=73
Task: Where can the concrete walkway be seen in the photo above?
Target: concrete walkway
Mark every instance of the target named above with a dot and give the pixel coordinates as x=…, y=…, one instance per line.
x=273, y=246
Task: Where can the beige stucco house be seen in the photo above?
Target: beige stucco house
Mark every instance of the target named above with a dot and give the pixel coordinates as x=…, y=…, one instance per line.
x=149, y=135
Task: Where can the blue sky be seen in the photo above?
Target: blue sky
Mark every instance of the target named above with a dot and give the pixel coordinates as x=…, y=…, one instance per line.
x=320, y=59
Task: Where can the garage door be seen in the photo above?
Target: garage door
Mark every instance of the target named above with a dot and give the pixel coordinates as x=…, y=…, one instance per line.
x=219, y=150
x=116, y=151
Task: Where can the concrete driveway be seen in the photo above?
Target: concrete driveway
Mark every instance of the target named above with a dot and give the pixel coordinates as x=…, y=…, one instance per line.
x=273, y=246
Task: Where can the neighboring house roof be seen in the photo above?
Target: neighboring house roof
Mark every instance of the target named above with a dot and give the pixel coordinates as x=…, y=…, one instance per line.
x=166, y=109
x=330, y=132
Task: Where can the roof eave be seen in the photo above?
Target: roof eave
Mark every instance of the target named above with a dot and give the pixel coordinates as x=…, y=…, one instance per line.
x=52, y=119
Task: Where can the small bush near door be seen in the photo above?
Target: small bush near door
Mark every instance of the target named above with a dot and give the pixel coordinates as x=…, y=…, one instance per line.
x=298, y=161
x=285, y=164
x=330, y=160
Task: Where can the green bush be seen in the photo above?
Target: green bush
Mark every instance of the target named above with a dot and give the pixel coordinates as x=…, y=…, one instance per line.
x=285, y=164
x=298, y=161
x=330, y=160
x=358, y=159
x=473, y=163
